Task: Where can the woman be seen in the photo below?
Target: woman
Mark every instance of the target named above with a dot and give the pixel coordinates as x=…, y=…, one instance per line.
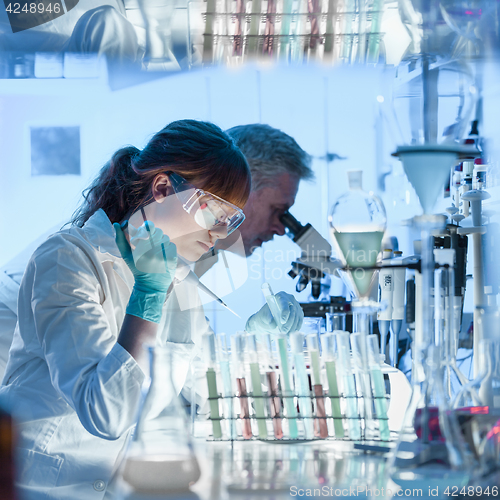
x=90, y=298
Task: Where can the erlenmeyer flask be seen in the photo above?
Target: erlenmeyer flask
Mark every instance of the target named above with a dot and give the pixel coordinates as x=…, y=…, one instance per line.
x=357, y=224
x=484, y=390
x=160, y=458
x=430, y=450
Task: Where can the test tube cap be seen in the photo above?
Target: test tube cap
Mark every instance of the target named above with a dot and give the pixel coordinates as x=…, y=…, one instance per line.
x=297, y=342
x=373, y=350
x=209, y=348
x=312, y=341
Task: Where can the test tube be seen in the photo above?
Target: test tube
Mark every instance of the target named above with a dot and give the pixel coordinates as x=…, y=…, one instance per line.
x=211, y=360
x=347, y=377
x=333, y=390
x=273, y=306
x=239, y=371
x=287, y=387
x=302, y=382
x=313, y=348
x=221, y=341
x=357, y=346
x=272, y=387
x=287, y=383
x=378, y=387
x=256, y=385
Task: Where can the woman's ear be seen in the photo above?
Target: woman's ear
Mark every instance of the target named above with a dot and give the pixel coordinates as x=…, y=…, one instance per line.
x=162, y=187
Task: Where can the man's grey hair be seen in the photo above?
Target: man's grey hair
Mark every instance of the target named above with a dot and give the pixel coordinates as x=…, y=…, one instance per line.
x=270, y=153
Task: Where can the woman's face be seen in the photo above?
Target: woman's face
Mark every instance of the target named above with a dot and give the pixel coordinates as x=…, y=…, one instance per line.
x=167, y=213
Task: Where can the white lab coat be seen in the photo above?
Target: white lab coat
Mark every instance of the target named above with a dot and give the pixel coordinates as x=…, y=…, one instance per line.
x=72, y=390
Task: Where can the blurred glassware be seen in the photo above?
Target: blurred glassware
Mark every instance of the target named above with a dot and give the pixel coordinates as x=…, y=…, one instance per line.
x=157, y=17
x=357, y=224
x=431, y=450
x=484, y=390
x=160, y=458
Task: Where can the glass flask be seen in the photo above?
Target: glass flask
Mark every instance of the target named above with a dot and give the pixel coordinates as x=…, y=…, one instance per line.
x=160, y=458
x=157, y=19
x=357, y=224
x=484, y=390
x=430, y=450
x=422, y=81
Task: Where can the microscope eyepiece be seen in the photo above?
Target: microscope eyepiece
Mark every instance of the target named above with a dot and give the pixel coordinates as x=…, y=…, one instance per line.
x=291, y=223
x=295, y=228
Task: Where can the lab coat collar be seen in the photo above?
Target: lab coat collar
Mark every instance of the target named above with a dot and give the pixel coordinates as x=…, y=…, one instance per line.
x=101, y=233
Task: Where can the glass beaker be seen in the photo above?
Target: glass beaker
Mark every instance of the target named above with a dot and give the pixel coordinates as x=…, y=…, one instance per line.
x=160, y=458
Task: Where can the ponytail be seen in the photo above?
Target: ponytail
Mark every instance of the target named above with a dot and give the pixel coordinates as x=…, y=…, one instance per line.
x=112, y=190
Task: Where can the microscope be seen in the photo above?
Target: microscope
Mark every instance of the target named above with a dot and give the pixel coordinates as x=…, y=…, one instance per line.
x=315, y=266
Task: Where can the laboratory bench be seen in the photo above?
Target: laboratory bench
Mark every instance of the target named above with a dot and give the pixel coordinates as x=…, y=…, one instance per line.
x=273, y=470
x=256, y=470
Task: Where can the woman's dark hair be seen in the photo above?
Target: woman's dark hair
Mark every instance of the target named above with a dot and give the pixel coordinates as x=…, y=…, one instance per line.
x=198, y=151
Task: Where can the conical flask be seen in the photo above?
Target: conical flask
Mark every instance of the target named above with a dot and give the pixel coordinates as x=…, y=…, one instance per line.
x=357, y=224
x=484, y=390
x=431, y=450
x=160, y=459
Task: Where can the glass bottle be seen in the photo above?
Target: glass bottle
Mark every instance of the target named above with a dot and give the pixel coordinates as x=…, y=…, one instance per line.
x=160, y=458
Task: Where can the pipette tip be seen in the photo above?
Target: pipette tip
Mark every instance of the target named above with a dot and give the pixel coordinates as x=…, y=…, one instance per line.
x=229, y=309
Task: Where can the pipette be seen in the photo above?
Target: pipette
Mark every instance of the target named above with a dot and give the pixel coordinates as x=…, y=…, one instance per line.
x=192, y=278
x=273, y=305
x=210, y=360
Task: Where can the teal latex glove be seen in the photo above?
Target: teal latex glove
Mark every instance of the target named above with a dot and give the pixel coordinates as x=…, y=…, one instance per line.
x=153, y=262
x=291, y=316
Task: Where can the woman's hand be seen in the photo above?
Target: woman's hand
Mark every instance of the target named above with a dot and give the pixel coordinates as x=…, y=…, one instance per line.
x=153, y=262
x=291, y=316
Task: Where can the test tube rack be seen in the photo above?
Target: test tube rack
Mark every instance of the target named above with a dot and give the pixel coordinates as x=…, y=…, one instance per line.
x=272, y=419
x=235, y=31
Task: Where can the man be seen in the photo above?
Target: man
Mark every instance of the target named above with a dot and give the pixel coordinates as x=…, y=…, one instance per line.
x=277, y=164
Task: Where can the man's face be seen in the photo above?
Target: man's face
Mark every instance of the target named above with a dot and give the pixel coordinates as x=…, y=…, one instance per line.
x=263, y=209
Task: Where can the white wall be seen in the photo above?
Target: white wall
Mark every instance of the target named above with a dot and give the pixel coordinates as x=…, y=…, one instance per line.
x=334, y=110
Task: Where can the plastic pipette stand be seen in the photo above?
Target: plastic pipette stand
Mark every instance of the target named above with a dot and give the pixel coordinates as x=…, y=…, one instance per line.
x=476, y=197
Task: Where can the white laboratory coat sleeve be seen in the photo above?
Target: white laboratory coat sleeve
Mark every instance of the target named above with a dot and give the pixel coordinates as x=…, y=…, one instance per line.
x=9, y=290
x=95, y=376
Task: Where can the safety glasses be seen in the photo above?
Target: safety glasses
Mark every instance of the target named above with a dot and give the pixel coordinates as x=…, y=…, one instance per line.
x=208, y=210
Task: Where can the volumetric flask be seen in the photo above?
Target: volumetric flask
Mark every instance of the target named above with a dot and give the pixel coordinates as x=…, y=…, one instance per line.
x=160, y=459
